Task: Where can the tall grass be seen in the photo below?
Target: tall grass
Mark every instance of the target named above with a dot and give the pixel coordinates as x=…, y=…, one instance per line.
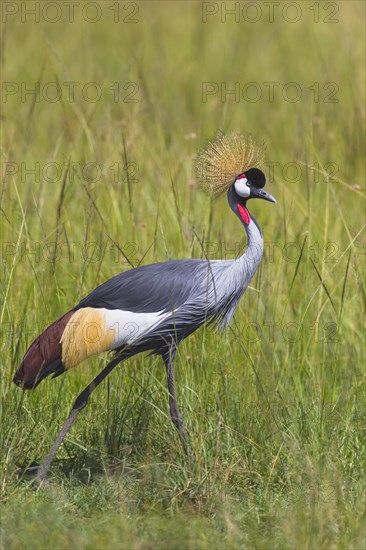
x=274, y=407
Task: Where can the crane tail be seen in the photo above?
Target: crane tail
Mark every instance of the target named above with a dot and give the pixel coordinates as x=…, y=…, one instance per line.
x=70, y=340
x=44, y=355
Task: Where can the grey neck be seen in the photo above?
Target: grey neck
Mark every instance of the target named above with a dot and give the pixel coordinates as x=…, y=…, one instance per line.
x=251, y=258
x=248, y=263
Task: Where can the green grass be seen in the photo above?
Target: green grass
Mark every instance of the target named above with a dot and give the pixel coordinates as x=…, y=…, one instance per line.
x=275, y=407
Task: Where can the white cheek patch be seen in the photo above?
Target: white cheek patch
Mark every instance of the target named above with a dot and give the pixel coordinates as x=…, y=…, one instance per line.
x=241, y=187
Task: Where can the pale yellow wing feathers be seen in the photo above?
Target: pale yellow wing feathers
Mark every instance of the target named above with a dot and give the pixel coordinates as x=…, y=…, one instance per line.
x=85, y=334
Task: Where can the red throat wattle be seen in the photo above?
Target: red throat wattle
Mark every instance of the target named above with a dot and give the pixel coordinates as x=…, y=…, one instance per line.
x=244, y=214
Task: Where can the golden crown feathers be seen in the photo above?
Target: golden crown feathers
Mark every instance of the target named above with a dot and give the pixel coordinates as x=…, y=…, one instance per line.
x=224, y=159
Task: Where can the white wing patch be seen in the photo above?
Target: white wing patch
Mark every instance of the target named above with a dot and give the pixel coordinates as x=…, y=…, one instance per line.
x=128, y=327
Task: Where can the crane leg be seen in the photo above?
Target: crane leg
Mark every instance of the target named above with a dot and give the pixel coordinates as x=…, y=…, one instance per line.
x=79, y=404
x=175, y=414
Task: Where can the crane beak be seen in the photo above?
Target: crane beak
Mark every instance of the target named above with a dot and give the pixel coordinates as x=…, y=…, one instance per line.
x=261, y=194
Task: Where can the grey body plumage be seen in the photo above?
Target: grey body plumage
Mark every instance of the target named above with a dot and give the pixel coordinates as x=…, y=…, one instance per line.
x=194, y=292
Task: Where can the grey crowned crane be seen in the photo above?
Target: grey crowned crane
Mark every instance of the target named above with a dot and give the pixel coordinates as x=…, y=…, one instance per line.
x=163, y=302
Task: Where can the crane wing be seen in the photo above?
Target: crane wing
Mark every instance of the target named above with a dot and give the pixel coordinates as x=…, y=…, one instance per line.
x=159, y=287
x=119, y=313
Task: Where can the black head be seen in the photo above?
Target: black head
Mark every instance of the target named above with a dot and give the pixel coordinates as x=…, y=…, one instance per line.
x=255, y=177
x=248, y=185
